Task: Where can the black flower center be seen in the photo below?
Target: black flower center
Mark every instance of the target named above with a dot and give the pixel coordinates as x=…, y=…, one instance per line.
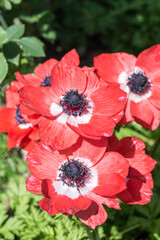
x=18, y=117
x=73, y=103
x=46, y=82
x=73, y=173
x=138, y=83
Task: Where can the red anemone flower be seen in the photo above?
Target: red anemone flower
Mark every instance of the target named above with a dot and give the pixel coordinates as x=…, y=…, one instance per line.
x=77, y=181
x=139, y=180
x=42, y=79
x=140, y=79
x=74, y=105
x=20, y=130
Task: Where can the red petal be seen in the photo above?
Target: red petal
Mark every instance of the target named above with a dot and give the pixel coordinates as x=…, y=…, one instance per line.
x=47, y=205
x=15, y=136
x=137, y=192
x=109, y=202
x=149, y=61
x=156, y=118
x=90, y=149
x=26, y=143
x=7, y=119
x=34, y=134
x=116, y=118
x=98, y=126
x=110, y=66
x=113, y=162
x=63, y=203
x=29, y=115
x=28, y=79
x=67, y=205
x=66, y=76
x=93, y=81
x=112, y=172
x=12, y=96
x=141, y=164
x=127, y=146
x=109, y=184
x=127, y=118
x=33, y=185
x=93, y=216
x=72, y=123
x=38, y=99
x=72, y=56
x=155, y=97
x=142, y=113
x=43, y=164
x=109, y=100
x=44, y=70
x=56, y=134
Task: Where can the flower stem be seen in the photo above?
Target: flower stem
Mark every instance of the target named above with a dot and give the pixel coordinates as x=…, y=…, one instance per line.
x=88, y=232
x=2, y=21
x=97, y=234
x=155, y=146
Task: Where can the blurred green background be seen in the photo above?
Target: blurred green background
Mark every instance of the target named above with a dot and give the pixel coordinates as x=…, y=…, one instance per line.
x=48, y=29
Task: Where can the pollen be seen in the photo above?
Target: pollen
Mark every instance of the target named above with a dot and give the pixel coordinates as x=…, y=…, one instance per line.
x=73, y=173
x=74, y=103
x=18, y=117
x=138, y=83
x=46, y=82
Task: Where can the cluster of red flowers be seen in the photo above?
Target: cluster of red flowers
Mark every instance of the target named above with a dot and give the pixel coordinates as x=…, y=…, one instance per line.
x=64, y=116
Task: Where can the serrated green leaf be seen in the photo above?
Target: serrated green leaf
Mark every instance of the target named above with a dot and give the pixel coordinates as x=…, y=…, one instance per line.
x=15, y=32
x=32, y=45
x=3, y=67
x=3, y=34
x=11, y=52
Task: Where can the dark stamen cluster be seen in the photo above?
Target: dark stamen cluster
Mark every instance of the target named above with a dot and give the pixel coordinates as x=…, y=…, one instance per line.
x=46, y=82
x=74, y=173
x=18, y=117
x=73, y=103
x=138, y=83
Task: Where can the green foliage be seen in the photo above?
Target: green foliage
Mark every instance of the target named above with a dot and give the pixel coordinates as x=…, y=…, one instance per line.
x=32, y=46
x=4, y=67
x=7, y=4
x=21, y=217
x=13, y=45
x=15, y=31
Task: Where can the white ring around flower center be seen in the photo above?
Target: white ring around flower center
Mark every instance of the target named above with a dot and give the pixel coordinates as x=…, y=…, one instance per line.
x=84, y=118
x=74, y=192
x=25, y=125
x=122, y=80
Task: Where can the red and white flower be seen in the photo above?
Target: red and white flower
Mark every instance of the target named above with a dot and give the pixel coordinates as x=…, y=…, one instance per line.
x=42, y=79
x=139, y=180
x=20, y=130
x=139, y=78
x=79, y=180
x=74, y=105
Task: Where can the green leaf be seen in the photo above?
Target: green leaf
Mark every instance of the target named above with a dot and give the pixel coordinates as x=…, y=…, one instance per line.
x=16, y=1
x=3, y=34
x=32, y=45
x=47, y=32
x=11, y=52
x=7, y=5
x=15, y=31
x=3, y=67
